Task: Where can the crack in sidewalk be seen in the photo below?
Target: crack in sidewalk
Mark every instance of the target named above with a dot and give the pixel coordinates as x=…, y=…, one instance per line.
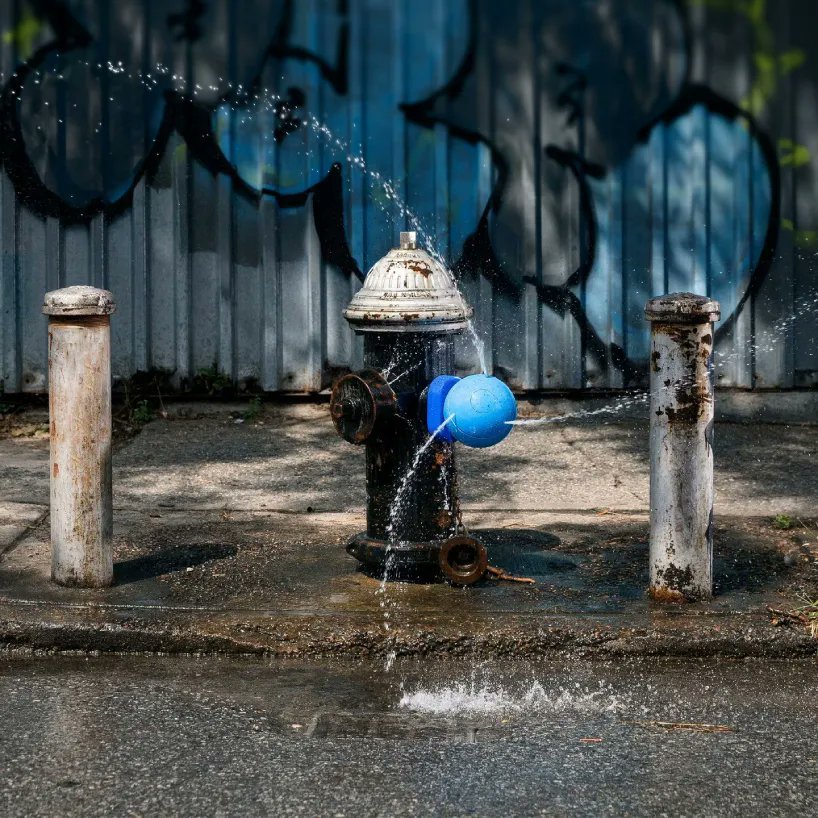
x=6, y=548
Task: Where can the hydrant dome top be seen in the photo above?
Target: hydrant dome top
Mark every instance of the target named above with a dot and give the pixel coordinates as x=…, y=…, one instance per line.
x=408, y=291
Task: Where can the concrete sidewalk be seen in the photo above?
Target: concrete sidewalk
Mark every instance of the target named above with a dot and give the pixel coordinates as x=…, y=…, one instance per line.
x=229, y=536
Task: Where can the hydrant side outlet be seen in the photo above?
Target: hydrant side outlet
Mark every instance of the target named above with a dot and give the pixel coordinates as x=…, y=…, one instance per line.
x=436, y=394
x=480, y=407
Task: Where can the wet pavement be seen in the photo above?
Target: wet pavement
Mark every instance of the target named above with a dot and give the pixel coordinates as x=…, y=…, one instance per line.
x=282, y=584
x=229, y=537
x=136, y=735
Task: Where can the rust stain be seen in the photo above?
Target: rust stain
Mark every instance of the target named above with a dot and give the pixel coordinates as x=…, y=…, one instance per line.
x=55, y=470
x=419, y=267
x=80, y=321
x=675, y=579
x=692, y=401
x=680, y=333
x=662, y=594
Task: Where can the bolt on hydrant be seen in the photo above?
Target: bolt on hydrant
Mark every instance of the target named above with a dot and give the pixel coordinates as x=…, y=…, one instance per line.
x=409, y=311
x=79, y=406
x=681, y=446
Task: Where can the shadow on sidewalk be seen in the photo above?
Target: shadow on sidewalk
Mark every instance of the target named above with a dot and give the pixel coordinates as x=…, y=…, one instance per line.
x=169, y=560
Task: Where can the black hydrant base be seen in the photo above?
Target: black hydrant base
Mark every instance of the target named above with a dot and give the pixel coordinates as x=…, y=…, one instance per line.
x=417, y=560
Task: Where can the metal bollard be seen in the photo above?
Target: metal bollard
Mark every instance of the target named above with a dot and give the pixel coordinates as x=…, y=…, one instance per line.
x=79, y=401
x=681, y=446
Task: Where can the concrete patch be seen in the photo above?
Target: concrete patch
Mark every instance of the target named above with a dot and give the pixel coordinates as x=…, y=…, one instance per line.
x=24, y=470
x=229, y=536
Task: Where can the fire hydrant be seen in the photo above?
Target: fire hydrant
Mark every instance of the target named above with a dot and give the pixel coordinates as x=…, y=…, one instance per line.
x=409, y=311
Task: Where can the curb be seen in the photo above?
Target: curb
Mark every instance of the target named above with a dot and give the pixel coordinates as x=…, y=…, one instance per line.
x=320, y=637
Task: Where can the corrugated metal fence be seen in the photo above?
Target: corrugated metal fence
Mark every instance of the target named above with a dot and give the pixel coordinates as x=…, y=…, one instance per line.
x=571, y=159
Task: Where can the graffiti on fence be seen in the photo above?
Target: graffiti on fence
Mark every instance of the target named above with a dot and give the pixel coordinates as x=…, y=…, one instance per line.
x=596, y=133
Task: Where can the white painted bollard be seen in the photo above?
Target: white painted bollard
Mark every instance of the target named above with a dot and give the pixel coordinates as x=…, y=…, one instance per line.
x=79, y=401
x=681, y=446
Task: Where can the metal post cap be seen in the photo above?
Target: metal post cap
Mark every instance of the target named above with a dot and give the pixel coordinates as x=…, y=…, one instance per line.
x=79, y=300
x=683, y=308
x=408, y=291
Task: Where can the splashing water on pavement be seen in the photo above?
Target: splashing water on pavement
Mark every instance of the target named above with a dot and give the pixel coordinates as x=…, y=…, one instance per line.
x=487, y=699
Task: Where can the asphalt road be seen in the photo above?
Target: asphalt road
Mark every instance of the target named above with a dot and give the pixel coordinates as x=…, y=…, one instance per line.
x=197, y=737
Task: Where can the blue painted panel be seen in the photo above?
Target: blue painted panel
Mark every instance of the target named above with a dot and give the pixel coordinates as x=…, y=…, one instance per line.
x=232, y=170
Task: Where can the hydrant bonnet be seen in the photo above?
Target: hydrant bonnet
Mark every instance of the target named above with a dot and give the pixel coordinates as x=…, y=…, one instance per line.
x=408, y=291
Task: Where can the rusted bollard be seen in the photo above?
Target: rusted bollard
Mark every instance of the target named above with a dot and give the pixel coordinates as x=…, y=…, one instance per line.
x=681, y=450
x=79, y=402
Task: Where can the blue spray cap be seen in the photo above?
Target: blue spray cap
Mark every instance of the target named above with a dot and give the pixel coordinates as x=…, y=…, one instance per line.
x=481, y=405
x=435, y=398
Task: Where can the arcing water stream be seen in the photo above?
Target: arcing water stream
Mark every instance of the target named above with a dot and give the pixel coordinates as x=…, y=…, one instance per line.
x=266, y=102
x=394, y=518
x=765, y=341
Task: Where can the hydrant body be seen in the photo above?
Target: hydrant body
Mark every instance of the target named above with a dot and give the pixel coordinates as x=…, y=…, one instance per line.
x=423, y=509
x=408, y=311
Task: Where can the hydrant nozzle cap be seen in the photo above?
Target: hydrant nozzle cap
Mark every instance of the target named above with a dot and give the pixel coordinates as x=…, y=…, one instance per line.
x=683, y=308
x=408, y=291
x=79, y=300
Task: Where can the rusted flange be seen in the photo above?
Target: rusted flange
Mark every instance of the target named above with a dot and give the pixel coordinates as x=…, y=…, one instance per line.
x=413, y=560
x=463, y=560
x=359, y=401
